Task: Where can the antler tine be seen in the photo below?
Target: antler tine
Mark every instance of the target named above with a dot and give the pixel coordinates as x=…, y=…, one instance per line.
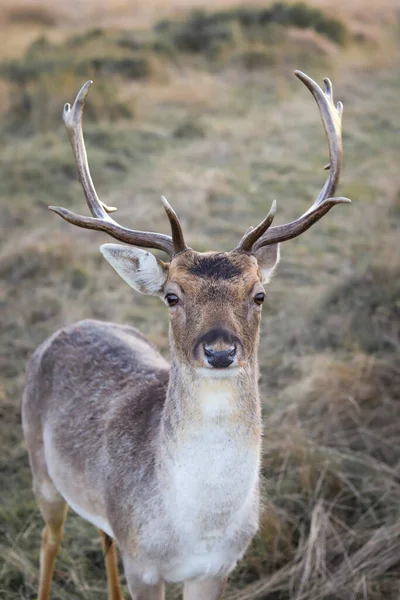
x=101, y=220
x=144, y=239
x=176, y=229
x=331, y=118
x=253, y=234
x=282, y=233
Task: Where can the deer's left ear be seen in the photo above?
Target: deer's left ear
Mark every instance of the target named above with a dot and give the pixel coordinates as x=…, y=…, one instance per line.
x=268, y=258
x=140, y=269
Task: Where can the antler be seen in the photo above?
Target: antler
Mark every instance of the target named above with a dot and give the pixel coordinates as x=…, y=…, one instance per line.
x=101, y=219
x=331, y=117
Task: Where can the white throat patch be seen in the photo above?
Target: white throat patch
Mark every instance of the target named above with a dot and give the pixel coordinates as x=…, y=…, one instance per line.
x=216, y=397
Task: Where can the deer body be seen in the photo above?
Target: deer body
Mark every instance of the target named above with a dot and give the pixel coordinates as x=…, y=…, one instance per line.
x=165, y=472
x=164, y=460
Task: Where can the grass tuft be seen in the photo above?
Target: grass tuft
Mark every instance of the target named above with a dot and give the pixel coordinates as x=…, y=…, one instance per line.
x=362, y=313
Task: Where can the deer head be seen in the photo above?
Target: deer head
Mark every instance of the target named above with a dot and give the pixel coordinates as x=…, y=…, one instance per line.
x=214, y=298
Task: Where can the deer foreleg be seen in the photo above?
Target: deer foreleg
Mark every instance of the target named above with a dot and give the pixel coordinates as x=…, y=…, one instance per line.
x=111, y=562
x=205, y=589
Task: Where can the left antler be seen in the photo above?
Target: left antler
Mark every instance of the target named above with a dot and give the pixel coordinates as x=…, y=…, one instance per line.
x=331, y=116
x=101, y=219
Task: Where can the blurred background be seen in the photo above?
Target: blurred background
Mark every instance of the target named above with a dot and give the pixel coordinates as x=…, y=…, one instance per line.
x=197, y=101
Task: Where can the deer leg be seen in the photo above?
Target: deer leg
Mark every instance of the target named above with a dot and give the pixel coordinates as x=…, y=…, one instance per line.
x=54, y=514
x=111, y=561
x=152, y=592
x=204, y=589
x=138, y=589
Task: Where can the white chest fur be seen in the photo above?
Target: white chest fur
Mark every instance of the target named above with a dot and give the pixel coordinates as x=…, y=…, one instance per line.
x=212, y=476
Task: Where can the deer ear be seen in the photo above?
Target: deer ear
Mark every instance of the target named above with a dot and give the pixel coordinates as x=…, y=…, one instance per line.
x=268, y=258
x=139, y=268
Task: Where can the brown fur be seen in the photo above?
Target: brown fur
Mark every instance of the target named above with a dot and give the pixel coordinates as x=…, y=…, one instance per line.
x=214, y=301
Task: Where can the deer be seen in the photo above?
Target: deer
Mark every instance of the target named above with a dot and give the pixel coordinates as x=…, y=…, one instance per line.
x=163, y=459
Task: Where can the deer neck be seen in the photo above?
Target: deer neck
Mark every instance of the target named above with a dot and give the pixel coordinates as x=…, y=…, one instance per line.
x=195, y=403
x=210, y=450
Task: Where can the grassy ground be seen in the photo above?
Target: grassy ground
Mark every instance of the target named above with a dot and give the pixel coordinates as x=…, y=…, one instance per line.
x=221, y=133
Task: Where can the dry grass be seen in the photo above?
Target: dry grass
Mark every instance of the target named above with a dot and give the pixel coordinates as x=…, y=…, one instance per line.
x=221, y=140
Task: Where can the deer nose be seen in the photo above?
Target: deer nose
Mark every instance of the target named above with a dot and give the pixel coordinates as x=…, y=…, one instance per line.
x=220, y=359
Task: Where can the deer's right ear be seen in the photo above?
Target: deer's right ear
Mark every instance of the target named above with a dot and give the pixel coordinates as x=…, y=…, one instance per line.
x=139, y=268
x=268, y=258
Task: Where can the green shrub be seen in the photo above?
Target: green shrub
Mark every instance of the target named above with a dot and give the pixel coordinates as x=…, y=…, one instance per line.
x=37, y=105
x=199, y=33
x=49, y=75
x=205, y=33
x=81, y=55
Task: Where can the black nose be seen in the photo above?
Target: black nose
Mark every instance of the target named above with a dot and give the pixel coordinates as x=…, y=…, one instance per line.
x=220, y=359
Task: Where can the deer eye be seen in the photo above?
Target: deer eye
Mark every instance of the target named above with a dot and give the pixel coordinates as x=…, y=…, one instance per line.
x=259, y=298
x=172, y=299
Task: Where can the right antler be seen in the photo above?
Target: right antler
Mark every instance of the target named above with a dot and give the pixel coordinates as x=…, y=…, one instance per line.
x=101, y=219
x=332, y=120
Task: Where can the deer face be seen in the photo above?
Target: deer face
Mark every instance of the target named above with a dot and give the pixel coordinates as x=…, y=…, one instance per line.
x=214, y=299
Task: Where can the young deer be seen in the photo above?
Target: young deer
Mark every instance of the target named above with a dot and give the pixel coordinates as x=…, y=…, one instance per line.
x=163, y=459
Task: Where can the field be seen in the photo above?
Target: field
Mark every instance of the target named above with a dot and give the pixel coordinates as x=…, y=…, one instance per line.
x=203, y=107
